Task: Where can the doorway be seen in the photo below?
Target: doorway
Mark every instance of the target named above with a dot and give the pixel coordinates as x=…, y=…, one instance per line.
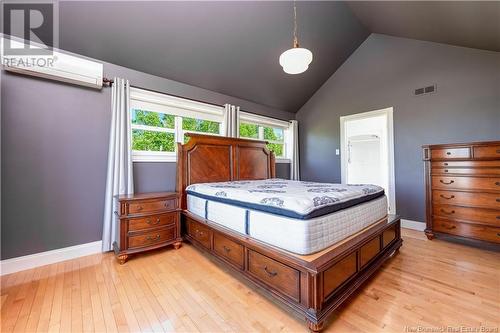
x=367, y=151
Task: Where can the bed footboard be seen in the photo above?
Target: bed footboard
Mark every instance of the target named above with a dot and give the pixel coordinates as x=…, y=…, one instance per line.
x=313, y=285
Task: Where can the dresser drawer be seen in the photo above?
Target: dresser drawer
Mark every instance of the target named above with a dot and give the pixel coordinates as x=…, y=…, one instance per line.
x=274, y=274
x=466, y=183
x=487, y=152
x=229, y=250
x=465, y=164
x=159, y=236
x=151, y=206
x=476, y=215
x=480, y=232
x=200, y=233
x=466, y=171
x=450, y=153
x=486, y=200
x=153, y=221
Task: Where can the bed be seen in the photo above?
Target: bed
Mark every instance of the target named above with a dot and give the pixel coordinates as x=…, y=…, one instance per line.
x=309, y=245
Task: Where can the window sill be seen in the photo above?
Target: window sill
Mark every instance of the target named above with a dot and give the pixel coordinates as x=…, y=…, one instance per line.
x=148, y=156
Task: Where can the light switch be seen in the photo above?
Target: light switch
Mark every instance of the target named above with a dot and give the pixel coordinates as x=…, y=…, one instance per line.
x=337, y=152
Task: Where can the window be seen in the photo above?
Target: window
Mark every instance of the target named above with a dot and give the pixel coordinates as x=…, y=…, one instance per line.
x=159, y=121
x=268, y=129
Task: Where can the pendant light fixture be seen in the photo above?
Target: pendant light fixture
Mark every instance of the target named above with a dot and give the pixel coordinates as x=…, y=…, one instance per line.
x=297, y=59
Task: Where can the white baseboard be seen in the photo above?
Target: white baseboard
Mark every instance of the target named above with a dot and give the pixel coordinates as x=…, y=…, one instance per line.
x=49, y=257
x=409, y=224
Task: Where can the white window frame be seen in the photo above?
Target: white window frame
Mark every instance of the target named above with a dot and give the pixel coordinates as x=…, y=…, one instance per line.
x=261, y=121
x=178, y=107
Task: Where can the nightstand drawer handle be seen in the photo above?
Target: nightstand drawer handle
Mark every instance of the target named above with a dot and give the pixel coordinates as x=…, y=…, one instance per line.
x=447, y=198
x=226, y=249
x=140, y=208
x=153, y=223
x=199, y=233
x=497, y=183
x=498, y=217
x=448, y=227
x=270, y=273
x=446, y=183
x=498, y=200
x=446, y=212
x=151, y=238
x=498, y=234
x=498, y=151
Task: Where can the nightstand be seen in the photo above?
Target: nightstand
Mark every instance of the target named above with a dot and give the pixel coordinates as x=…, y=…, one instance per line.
x=147, y=221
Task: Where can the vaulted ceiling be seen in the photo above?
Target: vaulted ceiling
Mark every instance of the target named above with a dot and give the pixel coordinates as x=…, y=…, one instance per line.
x=233, y=47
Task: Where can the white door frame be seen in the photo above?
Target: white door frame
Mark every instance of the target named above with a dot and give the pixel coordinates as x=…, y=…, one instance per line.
x=390, y=138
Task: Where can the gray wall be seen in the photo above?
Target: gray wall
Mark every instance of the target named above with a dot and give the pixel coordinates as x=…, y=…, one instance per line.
x=54, y=145
x=383, y=72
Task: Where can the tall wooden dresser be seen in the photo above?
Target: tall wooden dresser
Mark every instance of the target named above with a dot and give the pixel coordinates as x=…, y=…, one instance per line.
x=463, y=190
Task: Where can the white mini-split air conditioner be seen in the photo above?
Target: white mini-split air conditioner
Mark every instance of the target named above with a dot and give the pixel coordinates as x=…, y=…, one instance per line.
x=55, y=66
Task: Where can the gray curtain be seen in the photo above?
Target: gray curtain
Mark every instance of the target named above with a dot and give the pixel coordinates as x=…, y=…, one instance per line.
x=231, y=120
x=119, y=174
x=294, y=165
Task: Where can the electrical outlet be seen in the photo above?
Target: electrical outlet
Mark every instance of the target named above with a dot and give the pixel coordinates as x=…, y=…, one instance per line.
x=337, y=152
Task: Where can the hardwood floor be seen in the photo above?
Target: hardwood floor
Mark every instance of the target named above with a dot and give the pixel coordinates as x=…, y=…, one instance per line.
x=429, y=284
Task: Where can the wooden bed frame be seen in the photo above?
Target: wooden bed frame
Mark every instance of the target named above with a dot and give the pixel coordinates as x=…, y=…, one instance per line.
x=313, y=285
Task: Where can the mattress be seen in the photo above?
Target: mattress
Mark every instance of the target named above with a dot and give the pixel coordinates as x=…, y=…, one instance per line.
x=296, y=199
x=291, y=234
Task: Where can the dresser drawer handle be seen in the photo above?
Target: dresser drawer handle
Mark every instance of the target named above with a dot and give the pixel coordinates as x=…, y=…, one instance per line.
x=445, y=164
x=270, y=273
x=447, y=198
x=446, y=183
x=498, y=200
x=498, y=217
x=199, y=233
x=140, y=208
x=448, y=153
x=447, y=212
x=445, y=170
x=498, y=151
x=448, y=227
x=153, y=223
x=226, y=249
x=497, y=183
x=151, y=238
x=498, y=234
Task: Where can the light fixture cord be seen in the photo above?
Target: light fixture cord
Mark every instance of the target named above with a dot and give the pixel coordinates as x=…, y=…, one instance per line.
x=295, y=39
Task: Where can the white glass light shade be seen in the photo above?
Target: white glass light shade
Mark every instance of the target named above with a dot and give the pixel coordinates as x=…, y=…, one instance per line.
x=296, y=60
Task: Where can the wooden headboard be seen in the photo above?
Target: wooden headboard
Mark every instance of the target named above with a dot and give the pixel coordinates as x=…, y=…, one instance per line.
x=208, y=158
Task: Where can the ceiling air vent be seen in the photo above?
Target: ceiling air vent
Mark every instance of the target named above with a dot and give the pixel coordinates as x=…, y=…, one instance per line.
x=425, y=90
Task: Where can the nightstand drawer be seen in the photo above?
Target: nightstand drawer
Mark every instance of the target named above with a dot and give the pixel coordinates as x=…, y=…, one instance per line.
x=151, y=238
x=152, y=221
x=142, y=207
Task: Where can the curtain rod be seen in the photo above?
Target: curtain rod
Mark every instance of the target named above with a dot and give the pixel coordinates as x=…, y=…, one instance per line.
x=109, y=82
